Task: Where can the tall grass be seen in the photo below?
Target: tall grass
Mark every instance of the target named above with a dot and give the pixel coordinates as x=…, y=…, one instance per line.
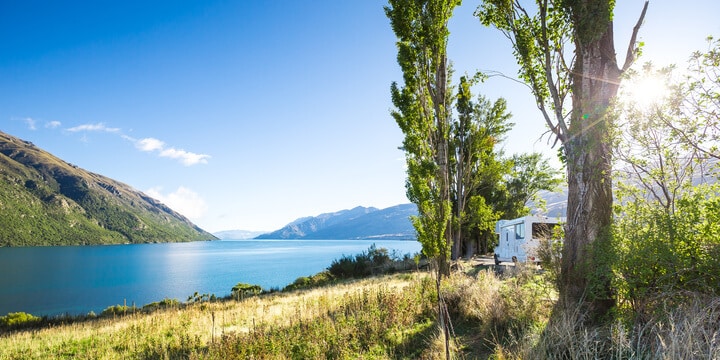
x=382, y=317
x=512, y=315
x=371, y=322
x=516, y=316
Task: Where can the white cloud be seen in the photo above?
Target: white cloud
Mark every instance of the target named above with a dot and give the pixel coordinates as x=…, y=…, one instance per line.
x=149, y=144
x=30, y=123
x=146, y=144
x=52, y=124
x=94, y=127
x=187, y=158
x=182, y=200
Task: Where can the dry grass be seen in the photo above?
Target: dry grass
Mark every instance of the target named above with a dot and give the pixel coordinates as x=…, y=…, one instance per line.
x=390, y=317
x=192, y=331
x=691, y=331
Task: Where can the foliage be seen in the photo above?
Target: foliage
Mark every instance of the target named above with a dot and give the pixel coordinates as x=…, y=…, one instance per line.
x=539, y=41
x=592, y=79
x=374, y=261
x=117, y=310
x=530, y=174
x=670, y=202
x=477, y=168
x=307, y=282
x=549, y=251
x=423, y=112
x=162, y=304
x=18, y=319
x=679, y=250
x=655, y=163
x=196, y=297
x=697, y=123
x=243, y=290
x=481, y=219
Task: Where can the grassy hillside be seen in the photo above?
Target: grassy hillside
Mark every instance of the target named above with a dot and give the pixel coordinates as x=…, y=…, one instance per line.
x=46, y=201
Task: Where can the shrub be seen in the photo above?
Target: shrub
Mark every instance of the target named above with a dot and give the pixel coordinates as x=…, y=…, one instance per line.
x=115, y=310
x=243, y=290
x=162, y=304
x=306, y=282
x=373, y=262
x=18, y=319
x=549, y=251
x=661, y=252
x=499, y=308
x=198, y=298
x=350, y=266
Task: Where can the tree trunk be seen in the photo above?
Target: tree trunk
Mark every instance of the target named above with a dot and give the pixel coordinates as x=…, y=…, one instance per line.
x=471, y=245
x=459, y=206
x=442, y=159
x=585, y=277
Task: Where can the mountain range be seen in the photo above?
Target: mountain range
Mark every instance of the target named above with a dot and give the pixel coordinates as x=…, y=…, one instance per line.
x=238, y=234
x=361, y=223
x=47, y=201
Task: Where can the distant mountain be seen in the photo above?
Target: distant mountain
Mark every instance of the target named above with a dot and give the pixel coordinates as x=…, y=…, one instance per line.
x=358, y=223
x=238, y=234
x=555, y=203
x=47, y=201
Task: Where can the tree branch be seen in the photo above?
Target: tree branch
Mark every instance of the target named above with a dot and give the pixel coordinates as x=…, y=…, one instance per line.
x=632, y=50
x=561, y=130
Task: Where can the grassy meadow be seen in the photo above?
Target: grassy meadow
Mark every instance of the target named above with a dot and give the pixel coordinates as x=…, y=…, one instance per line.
x=379, y=317
x=508, y=315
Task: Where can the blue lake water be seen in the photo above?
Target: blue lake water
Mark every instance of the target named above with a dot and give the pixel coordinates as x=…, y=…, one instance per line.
x=79, y=279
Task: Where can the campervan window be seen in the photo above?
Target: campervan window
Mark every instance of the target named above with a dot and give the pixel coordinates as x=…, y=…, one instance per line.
x=542, y=230
x=520, y=231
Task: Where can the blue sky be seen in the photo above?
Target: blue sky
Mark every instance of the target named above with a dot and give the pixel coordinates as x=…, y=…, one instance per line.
x=250, y=114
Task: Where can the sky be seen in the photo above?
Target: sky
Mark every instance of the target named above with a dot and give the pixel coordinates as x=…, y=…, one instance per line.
x=251, y=114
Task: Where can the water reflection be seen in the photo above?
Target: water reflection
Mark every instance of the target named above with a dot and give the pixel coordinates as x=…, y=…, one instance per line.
x=75, y=280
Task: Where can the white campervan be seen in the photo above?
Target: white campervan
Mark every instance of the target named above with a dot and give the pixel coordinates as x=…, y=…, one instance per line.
x=520, y=237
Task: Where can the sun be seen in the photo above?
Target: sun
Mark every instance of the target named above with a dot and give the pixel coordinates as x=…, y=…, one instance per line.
x=644, y=90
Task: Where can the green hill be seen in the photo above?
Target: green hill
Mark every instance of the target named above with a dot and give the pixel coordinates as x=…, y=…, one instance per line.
x=47, y=201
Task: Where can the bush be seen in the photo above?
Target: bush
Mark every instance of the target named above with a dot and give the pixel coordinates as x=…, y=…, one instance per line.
x=350, y=267
x=305, y=282
x=373, y=262
x=243, y=290
x=18, y=319
x=662, y=253
x=116, y=310
x=162, y=304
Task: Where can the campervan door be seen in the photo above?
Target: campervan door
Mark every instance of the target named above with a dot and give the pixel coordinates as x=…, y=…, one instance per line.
x=511, y=238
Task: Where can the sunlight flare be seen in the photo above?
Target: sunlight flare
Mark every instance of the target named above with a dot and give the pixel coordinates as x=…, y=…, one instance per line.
x=645, y=90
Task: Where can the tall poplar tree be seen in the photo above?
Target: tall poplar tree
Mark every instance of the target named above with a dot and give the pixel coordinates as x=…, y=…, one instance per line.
x=423, y=112
x=591, y=79
x=477, y=168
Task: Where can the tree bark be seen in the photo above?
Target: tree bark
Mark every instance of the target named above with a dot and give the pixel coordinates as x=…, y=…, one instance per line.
x=589, y=164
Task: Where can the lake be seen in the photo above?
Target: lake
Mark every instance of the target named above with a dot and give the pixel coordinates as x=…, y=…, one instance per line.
x=79, y=279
